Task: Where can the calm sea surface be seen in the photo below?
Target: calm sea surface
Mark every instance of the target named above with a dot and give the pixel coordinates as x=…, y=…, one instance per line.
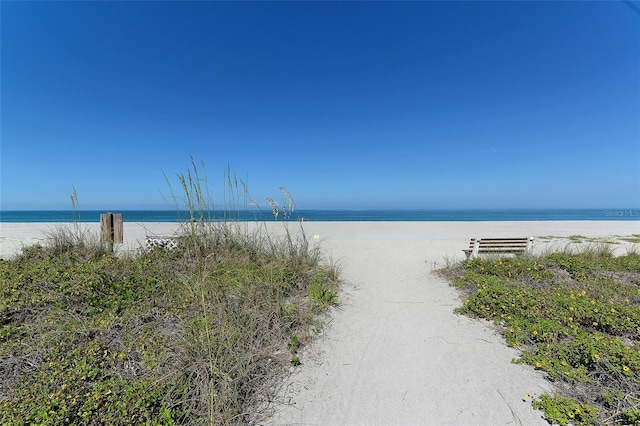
x=333, y=215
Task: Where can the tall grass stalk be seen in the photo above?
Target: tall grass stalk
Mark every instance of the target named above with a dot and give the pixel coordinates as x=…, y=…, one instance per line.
x=73, y=237
x=210, y=241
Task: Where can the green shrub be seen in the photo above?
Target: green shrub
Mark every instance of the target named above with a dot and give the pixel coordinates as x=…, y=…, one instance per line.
x=575, y=316
x=563, y=411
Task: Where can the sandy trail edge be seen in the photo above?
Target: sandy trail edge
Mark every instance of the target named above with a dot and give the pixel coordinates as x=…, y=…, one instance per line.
x=394, y=352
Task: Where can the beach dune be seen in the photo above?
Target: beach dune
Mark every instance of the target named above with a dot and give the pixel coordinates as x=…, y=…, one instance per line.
x=394, y=352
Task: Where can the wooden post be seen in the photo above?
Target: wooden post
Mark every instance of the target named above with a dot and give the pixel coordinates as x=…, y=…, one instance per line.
x=106, y=228
x=111, y=228
x=118, y=232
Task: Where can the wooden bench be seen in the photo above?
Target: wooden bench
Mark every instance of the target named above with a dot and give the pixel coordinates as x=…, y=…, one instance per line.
x=517, y=246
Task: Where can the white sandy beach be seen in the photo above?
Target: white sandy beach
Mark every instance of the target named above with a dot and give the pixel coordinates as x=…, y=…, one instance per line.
x=394, y=352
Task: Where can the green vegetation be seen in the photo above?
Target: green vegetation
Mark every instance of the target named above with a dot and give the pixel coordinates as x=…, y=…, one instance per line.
x=575, y=316
x=194, y=335
x=576, y=238
x=634, y=238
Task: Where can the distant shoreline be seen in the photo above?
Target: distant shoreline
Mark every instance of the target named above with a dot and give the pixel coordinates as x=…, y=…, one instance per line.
x=370, y=215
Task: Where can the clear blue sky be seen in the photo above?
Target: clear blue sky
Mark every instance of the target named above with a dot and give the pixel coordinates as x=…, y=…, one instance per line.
x=346, y=104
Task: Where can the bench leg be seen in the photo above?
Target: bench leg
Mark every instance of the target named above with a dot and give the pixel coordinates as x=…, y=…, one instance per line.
x=476, y=247
x=527, y=249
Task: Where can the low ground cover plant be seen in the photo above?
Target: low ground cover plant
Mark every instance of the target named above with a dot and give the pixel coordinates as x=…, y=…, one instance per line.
x=575, y=316
x=194, y=335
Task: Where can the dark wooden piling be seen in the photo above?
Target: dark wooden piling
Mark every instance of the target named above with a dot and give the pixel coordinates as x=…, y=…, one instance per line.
x=111, y=228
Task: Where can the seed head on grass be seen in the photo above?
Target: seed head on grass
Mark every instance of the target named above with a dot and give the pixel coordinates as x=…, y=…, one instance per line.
x=274, y=207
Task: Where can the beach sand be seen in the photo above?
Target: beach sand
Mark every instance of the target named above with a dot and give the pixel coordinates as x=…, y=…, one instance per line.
x=393, y=352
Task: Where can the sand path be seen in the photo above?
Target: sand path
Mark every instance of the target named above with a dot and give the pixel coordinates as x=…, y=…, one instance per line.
x=395, y=353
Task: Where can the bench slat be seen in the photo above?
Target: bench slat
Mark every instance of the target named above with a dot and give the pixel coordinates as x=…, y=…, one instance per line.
x=503, y=239
x=499, y=246
x=485, y=249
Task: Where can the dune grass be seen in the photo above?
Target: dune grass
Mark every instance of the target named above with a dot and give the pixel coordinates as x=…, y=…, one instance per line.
x=576, y=317
x=633, y=238
x=195, y=335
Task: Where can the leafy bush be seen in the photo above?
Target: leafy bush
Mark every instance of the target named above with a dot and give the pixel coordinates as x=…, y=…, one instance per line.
x=575, y=316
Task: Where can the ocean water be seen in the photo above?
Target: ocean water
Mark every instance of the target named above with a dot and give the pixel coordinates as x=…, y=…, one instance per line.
x=335, y=215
